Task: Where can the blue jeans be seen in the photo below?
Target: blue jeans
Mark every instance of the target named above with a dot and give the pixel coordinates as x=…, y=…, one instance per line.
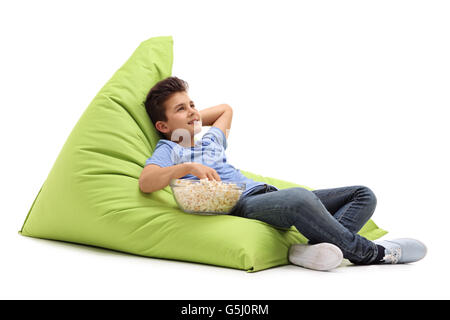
x=325, y=215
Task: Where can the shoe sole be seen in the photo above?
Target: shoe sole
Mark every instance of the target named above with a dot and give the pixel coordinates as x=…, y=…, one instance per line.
x=321, y=256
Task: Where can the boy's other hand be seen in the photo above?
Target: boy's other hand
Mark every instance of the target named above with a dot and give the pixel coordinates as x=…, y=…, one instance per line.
x=201, y=171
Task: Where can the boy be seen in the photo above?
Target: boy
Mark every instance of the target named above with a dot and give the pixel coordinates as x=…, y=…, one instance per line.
x=329, y=218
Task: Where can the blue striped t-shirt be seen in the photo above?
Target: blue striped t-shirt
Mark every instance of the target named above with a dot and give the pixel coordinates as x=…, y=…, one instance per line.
x=209, y=151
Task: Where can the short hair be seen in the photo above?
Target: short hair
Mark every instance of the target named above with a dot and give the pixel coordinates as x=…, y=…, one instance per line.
x=159, y=94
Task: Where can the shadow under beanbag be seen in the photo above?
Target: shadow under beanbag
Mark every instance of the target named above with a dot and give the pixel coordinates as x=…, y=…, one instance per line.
x=91, y=195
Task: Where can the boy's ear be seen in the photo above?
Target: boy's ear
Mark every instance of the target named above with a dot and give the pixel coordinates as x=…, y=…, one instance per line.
x=161, y=126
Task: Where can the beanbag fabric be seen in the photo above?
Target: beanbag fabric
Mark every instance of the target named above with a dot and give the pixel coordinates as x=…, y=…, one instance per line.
x=91, y=195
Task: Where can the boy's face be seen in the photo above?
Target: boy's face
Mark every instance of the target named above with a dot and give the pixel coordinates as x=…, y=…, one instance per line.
x=181, y=114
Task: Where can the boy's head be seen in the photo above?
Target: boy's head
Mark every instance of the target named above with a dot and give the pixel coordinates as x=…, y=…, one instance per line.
x=172, y=111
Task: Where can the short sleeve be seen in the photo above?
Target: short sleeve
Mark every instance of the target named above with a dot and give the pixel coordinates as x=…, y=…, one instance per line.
x=163, y=156
x=215, y=135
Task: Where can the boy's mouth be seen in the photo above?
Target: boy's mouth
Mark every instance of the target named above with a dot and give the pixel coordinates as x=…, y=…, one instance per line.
x=193, y=122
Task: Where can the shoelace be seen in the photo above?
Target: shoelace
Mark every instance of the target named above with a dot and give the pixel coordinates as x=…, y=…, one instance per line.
x=392, y=255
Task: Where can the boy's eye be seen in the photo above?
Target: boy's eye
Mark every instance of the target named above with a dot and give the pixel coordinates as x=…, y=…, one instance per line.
x=192, y=106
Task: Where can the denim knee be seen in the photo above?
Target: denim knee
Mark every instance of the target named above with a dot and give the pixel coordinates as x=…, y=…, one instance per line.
x=368, y=196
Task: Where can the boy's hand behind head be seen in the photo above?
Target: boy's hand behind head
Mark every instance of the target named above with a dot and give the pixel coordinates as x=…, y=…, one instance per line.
x=201, y=171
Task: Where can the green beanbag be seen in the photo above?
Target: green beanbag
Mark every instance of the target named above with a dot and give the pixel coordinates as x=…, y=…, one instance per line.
x=91, y=195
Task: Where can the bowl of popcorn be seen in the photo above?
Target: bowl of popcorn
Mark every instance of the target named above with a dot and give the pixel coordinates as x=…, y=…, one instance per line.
x=207, y=197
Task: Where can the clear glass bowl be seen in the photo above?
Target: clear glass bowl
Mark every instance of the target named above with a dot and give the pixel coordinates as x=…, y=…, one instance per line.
x=206, y=197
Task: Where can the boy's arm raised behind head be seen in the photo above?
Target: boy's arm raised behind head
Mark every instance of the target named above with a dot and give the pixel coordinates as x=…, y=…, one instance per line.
x=219, y=116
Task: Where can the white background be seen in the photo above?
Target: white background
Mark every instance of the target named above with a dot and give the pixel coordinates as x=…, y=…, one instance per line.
x=325, y=94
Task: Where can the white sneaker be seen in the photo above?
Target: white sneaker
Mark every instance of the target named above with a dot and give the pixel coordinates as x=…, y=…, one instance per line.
x=322, y=256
